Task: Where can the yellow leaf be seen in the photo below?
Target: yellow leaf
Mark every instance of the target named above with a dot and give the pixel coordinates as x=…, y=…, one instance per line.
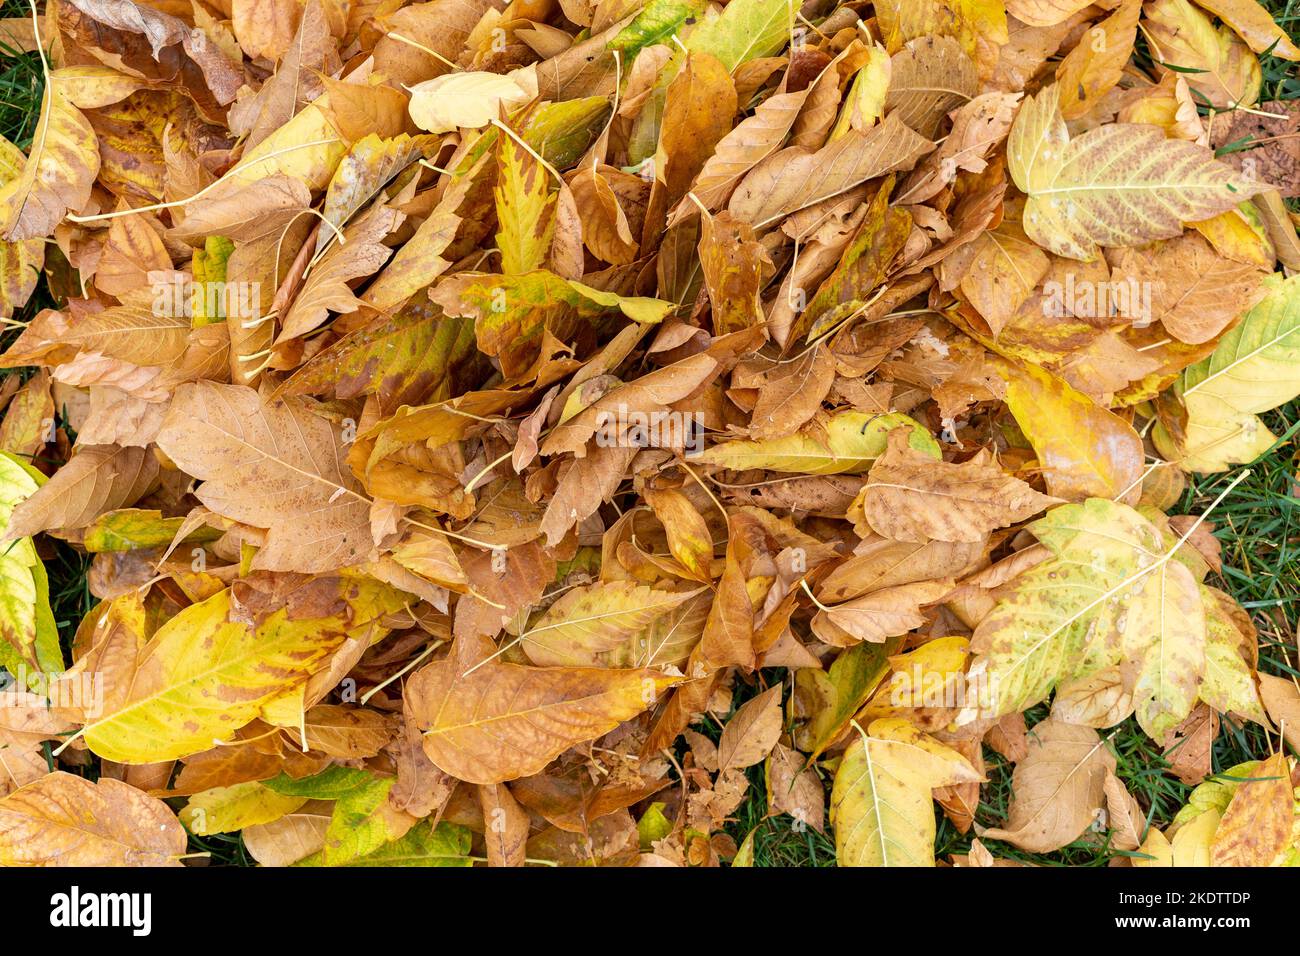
x=1096, y=64
x=61, y=168
x=228, y=809
x=1242, y=234
x=920, y=676
x=1252, y=370
x=1111, y=594
x=1213, y=60
x=850, y=441
x=20, y=262
x=308, y=148
x=1230, y=641
x=1084, y=450
x=525, y=208
x=881, y=804
x=971, y=21
x=204, y=675
x=600, y=624
x=467, y=99
x=1257, y=825
x=1123, y=184
x=27, y=633
x=1255, y=25
x=864, y=103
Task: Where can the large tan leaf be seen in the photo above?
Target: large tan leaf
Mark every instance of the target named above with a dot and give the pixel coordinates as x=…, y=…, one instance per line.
x=1002, y=269
x=911, y=497
x=591, y=625
x=1195, y=292
x=26, y=723
x=751, y=141
x=879, y=614
x=243, y=212
x=278, y=466
x=929, y=77
x=290, y=838
x=792, y=393
x=1123, y=184
x=880, y=563
x=1057, y=789
x=698, y=108
x=65, y=820
x=99, y=478
x=794, y=178
x=439, y=30
x=505, y=721
x=752, y=732
x=125, y=333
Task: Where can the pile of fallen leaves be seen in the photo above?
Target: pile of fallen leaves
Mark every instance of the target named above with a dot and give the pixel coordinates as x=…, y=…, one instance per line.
x=471, y=401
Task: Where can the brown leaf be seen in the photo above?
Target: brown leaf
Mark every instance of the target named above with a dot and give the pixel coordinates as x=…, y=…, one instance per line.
x=910, y=497
x=796, y=178
x=278, y=466
x=752, y=732
x=65, y=820
x=538, y=712
x=505, y=824
x=1057, y=788
x=99, y=478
